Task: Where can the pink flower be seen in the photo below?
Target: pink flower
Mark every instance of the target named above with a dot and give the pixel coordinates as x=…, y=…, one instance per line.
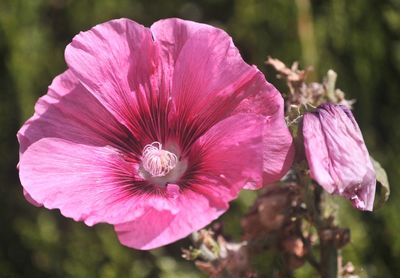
x=337, y=156
x=153, y=130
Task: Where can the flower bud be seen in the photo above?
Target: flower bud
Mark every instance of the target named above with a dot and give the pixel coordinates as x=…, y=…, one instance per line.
x=337, y=155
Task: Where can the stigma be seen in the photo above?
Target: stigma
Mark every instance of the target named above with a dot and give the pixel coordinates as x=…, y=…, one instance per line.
x=156, y=161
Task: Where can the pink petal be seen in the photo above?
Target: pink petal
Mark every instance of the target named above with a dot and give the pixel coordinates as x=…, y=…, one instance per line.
x=278, y=142
x=93, y=184
x=173, y=190
x=345, y=146
x=204, y=65
x=31, y=200
x=338, y=158
x=171, y=35
x=117, y=62
x=70, y=112
x=278, y=149
x=157, y=228
x=233, y=151
x=314, y=143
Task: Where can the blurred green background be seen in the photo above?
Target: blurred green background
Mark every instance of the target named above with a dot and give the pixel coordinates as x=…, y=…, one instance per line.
x=359, y=39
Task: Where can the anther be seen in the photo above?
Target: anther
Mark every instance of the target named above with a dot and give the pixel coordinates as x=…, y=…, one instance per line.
x=156, y=161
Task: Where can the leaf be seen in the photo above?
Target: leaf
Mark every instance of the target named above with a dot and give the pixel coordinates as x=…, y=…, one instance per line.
x=382, y=181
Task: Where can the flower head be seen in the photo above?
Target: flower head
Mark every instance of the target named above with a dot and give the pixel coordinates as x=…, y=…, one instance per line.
x=153, y=130
x=337, y=155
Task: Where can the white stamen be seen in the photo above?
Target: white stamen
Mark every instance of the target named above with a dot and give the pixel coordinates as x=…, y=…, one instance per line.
x=156, y=161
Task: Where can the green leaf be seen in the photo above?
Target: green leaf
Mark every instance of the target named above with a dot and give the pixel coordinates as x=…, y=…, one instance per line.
x=382, y=182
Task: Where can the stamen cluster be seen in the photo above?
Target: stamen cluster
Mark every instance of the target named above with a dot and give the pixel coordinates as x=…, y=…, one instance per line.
x=156, y=161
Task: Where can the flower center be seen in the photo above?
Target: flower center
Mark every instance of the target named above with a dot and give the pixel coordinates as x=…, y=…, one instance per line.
x=156, y=161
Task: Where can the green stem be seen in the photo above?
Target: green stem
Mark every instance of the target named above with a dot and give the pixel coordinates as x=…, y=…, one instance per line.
x=305, y=27
x=329, y=260
x=328, y=265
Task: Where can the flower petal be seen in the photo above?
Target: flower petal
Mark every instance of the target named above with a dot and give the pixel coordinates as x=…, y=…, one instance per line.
x=171, y=34
x=337, y=155
x=204, y=65
x=70, y=112
x=349, y=156
x=232, y=151
x=279, y=150
x=157, y=228
x=31, y=200
x=93, y=184
x=117, y=62
x=317, y=153
x=278, y=142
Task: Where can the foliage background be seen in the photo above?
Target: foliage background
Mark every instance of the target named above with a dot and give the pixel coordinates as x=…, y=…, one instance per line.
x=359, y=39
